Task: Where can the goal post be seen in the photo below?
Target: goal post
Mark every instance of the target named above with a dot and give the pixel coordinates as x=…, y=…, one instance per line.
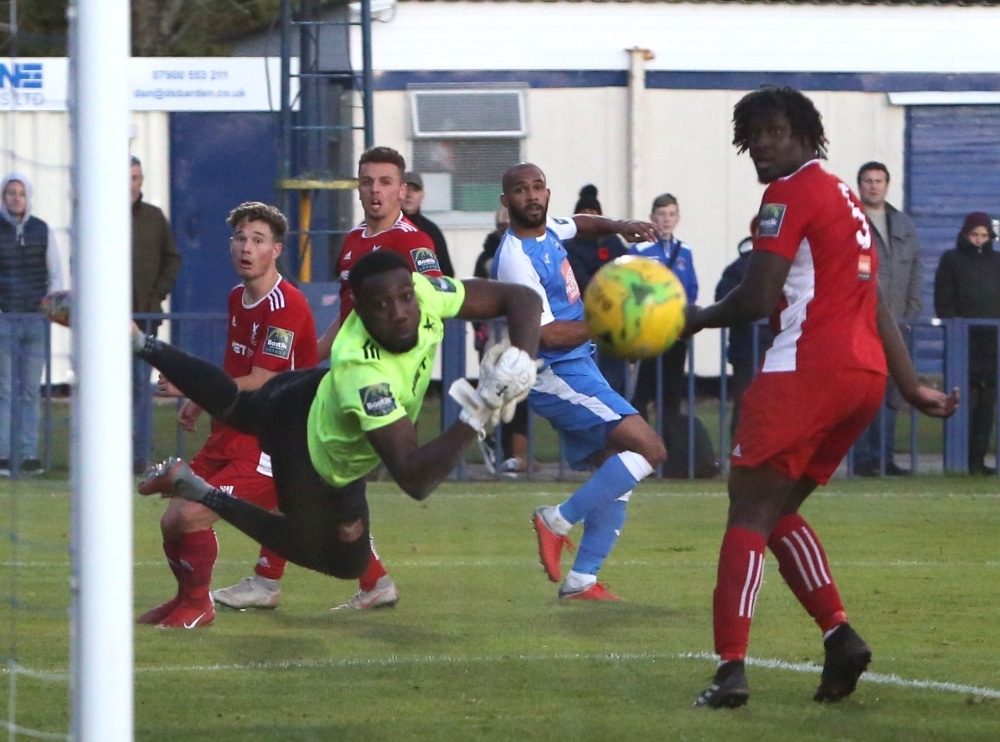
x=101, y=546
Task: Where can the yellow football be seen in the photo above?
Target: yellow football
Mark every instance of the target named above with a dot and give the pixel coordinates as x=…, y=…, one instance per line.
x=634, y=308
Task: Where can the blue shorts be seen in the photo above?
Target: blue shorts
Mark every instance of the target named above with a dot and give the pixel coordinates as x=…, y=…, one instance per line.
x=576, y=399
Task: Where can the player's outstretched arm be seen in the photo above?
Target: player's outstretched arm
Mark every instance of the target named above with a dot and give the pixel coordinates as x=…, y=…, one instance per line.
x=325, y=341
x=931, y=402
x=418, y=470
x=520, y=305
x=753, y=298
x=592, y=226
x=562, y=333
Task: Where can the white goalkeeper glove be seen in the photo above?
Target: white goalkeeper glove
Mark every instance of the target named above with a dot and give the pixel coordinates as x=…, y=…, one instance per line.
x=506, y=375
x=476, y=413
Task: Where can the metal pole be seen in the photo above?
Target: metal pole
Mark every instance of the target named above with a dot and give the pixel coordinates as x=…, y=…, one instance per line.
x=637, y=59
x=285, y=165
x=367, y=76
x=101, y=664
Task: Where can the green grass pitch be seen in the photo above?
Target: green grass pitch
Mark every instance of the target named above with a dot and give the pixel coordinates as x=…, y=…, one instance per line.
x=479, y=648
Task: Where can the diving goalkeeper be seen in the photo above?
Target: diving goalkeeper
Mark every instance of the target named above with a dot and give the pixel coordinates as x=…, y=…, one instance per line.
x=326, y=429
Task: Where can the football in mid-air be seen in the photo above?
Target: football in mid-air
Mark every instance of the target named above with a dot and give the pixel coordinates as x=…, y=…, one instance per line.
x=634, y=308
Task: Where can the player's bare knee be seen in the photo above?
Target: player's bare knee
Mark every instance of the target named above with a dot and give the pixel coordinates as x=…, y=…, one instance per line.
x=189, y=517
x=352, y=531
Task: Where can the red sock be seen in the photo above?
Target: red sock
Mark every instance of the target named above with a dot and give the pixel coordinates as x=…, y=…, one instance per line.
x=172, y=551
x=741, y=570
x=374, y=571
x=802, y=563
x=198, y=552
x=270, y=565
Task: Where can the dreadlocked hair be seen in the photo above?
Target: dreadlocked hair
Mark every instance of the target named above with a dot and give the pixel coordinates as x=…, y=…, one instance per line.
x=805, y=120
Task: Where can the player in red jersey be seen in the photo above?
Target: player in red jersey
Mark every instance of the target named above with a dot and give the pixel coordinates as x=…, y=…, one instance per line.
x=813, y=269
x=380, y=189
x=270, y=330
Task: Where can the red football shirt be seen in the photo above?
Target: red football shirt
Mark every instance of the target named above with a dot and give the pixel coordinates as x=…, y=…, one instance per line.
x=826, y=318
x=276, y=333
x=402, y=237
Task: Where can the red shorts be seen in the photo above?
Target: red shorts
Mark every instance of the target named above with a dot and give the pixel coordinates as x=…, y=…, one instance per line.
x=239, y=477
x=803, y=423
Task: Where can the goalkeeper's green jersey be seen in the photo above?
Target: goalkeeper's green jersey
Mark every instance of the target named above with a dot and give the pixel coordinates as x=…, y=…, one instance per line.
x=367, y=387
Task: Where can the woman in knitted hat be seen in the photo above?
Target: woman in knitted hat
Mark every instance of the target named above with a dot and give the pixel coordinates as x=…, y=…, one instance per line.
x=966, y=285
x=586, y=257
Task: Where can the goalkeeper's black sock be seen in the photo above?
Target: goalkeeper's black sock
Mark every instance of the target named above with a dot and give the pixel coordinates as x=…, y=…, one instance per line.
x=205, y=384
x=316, y=547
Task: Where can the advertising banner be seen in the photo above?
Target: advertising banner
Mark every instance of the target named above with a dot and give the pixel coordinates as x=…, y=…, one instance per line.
x=155, y=83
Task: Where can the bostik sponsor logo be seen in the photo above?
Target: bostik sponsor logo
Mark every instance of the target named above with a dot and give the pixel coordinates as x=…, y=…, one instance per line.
x=424, y=260
x=278, y=342
x=377, y=400
x=771, y=216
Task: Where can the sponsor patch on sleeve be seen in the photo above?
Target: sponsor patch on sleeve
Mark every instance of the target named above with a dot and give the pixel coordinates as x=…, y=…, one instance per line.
x=560, y=220
x=278, y=343
x=424, y=260
x=377, y=400
x=771, y=216
x=443, y=284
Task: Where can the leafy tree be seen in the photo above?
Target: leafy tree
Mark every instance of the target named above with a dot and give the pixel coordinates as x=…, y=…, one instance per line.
x=175, y=28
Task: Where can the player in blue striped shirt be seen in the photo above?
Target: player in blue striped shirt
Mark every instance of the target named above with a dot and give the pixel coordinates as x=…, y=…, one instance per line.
x=598, y=428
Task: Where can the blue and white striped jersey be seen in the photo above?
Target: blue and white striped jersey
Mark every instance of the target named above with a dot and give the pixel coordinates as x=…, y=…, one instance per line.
x=541, y=264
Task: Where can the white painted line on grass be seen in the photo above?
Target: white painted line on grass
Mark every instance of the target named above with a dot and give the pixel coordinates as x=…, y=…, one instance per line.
x=870, y=677
x=772, y=664
x=527, y=559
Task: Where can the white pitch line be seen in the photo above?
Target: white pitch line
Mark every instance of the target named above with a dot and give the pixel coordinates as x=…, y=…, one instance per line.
x=513, y=561
x=870, y=677
x=395, y=661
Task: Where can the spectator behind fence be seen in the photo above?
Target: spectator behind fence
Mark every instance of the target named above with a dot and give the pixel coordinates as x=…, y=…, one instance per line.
x=586, y=257
x=900, y=276
x=676, y=255
x=413, y=199
x=29, y=268
x=740, y=350
x=967, y=284
x=155, y=265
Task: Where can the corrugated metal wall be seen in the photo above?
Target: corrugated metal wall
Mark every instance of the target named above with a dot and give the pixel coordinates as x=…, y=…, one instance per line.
x=218, y=160
x=952, y=168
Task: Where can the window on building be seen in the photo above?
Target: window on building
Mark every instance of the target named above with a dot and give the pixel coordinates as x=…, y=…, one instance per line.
x=464, y=138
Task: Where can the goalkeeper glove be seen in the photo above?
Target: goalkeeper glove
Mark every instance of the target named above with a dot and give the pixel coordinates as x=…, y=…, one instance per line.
x=476, y=413
x=506, y=375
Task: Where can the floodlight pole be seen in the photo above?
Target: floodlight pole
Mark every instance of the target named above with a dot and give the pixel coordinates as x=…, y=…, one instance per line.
x=101, y=635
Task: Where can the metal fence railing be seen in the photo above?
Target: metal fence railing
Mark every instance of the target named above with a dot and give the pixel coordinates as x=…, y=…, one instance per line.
x=203, y=330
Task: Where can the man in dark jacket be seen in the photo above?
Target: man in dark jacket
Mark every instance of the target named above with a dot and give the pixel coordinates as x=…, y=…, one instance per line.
x=155, y=265
x=413, y=199
x=965, y=285
x=900, y=276
x=29, y=268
